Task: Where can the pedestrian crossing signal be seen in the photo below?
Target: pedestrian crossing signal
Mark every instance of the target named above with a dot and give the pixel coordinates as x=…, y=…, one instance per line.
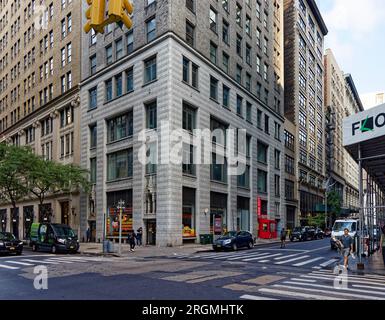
x=120, y=11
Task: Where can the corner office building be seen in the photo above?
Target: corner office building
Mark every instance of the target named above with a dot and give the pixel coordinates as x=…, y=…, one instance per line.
x=196, y=65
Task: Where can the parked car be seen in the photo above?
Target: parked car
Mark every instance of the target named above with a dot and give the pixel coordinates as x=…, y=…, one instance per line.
x=10, y=244
x=234, y=240
x=319, y=234
x=303, y=234
x=53, y=238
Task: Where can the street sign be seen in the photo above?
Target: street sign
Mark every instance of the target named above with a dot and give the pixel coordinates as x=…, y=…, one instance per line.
x=364, y=126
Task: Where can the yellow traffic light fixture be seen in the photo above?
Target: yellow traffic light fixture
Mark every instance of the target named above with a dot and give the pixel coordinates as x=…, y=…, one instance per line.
x=120, y=11
x=95, y=15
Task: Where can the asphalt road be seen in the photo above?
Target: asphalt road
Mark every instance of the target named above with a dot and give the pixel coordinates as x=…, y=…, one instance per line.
x=301, y=271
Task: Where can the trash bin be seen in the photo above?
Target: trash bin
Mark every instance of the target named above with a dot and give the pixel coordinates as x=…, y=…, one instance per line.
x=206, y=239
x=105, y=246
x=110, y=247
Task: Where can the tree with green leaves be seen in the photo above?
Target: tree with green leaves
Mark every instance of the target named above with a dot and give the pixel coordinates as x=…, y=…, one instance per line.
x=47, y=178
x=334, y=205
x=14, y=166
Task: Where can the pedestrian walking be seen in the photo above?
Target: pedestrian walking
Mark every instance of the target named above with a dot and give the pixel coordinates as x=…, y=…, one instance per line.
x=382, y=243
x=283, y=238
x=347, y=247
x=132, y=241
x=139, y=236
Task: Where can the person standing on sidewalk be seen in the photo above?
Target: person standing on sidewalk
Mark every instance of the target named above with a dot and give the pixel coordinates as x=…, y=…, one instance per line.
x=347, y=242
x=139, y=236
x=283, y=238
x=132, y=241
x=382, y=243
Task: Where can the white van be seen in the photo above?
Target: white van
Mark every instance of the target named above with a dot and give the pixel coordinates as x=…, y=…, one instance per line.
x=339, y=228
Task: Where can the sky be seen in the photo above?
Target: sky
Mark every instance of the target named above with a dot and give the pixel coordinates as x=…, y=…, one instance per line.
x=357, y=39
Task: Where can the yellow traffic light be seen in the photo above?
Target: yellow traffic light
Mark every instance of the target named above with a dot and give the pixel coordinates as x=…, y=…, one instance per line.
x=95, y=15
x=120, y=11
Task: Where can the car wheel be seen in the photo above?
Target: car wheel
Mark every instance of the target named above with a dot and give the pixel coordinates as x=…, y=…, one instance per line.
x=235, y=247
x=217, y=250
x=251, y=245
x=53, y=250
x=34, y=247
x=19, y=253
x=291, y=239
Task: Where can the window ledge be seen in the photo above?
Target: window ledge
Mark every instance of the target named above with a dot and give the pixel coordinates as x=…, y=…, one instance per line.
x=149, y=83
x=191, y=86
x=119, y=180
x=120, y=140
x=213, y=100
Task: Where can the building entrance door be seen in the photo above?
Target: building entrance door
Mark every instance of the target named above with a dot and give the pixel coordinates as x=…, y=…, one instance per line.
x=151, y=232
x=65, y=213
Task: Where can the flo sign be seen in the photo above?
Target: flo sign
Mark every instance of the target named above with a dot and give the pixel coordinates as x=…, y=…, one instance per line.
x=364, y=126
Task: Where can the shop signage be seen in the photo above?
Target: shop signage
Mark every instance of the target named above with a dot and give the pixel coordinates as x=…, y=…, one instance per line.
x=364, y=126
x=259, y=207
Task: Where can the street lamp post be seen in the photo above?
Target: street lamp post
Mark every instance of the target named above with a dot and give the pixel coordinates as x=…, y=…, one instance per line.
x=120, y=207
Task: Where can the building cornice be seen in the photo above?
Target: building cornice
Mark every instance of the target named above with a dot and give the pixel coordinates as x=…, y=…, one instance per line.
x=350, y=82
x=317, y=14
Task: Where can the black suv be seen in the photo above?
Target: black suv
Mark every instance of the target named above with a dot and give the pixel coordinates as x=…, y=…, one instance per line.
x=303, y=234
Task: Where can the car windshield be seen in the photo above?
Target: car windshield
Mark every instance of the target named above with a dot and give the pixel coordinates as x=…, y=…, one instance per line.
x=64, y=231
x=342, y=225
x=297, y=229
x=230, y=234
x=7, y=236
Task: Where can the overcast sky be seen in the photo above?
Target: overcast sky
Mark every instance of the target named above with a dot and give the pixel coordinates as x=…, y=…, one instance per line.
x=357, y=38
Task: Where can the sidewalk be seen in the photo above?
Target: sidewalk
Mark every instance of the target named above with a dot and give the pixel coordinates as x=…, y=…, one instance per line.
x=375, y=264
x=96, y=249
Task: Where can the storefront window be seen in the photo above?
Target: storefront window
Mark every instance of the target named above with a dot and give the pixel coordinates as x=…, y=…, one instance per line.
x=218, y=213
x=188, y=214
x=243, y=214
x=113, y=216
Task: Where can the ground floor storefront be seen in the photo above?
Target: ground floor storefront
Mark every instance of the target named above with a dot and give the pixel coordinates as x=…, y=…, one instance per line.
x=18, y=221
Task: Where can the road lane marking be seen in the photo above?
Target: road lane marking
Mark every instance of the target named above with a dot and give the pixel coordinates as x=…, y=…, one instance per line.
x=260, y=258
x=37, y=262
x=329, y=292
x=296, y=294
x=20, y=263
x=58, y=260
x=369, y=276
x=307, y=262
x=304, y=280
x=255, y=298
x=292, y=260
x=368, y=287
x=9, y=267
x=350, y=279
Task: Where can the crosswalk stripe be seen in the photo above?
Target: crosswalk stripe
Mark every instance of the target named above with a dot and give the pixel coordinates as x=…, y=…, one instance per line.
x=369, y=276
x=329, y=292
x=304, y=280
x=296, y=294
x=292, y=260
x=317, y=267
x=307, y=262
x=60, y=261
x=236, y=255
x=351, y=280
x=368, y=287
x=285, y=257
x=327, y=263
x=332, y=288
x=37, y=262
x=255, y=298
x=19, y=263
x=249, y=256
x=8, y=267
x=261, y=258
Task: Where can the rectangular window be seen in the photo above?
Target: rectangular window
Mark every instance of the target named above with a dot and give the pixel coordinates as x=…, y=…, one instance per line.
x=189, y=118
x=150, y=70
x=120, y=165
x=93, y=136
x=120, y=127
x=108, y=84
x=93, y=96
x=213, y=88
x=151, y=115
x=262, y=151
x=226, y=96
x=119, y=85
x=151, y=29
x=262, y=181
x=130, y=80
